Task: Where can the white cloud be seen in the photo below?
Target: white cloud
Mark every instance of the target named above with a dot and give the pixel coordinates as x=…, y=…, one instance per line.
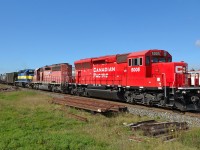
x=197, y=43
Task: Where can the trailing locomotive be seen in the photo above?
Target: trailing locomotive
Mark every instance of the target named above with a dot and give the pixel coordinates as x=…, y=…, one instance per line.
x=52, y=77
x=24, y=77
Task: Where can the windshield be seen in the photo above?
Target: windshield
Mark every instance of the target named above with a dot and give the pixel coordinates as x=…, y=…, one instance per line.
x=158, y=59
x=162, y=60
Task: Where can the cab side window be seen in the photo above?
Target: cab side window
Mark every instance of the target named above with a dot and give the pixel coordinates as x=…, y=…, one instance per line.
x=169, y=59
x=135, y=62
x=130, y=62
x=140, y=61
x=147, y=60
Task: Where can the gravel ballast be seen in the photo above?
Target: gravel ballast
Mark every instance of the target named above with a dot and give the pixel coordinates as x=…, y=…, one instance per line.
x=192, y=121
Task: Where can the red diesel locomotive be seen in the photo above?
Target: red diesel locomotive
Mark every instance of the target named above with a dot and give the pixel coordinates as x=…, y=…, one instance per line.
x=147, y=77
x=52, y=77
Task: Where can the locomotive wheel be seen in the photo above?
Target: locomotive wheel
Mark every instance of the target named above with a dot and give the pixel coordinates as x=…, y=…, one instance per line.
x=53, y=89
x=87, y=94
x=162, y=102
x=195, y=99
x=150, y=103
x=73, y=92
x=127, y=97
x=160, y=98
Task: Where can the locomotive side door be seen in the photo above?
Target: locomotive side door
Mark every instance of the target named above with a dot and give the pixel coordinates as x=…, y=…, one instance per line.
x=124, y=77
x=79, y=76
x=159, y=78
x=41, y=75
x=38, y=75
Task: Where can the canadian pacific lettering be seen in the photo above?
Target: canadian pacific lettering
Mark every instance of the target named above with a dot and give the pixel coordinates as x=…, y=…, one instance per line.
x=106, y=69
x=102, y=72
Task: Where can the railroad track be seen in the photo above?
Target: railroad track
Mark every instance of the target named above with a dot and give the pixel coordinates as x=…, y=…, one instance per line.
x=91, y=105
x=192, y=118
x=190, y=114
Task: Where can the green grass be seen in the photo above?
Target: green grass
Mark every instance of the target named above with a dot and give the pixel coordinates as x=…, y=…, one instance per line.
x=29, y=121
x=191, y=138
x=10, y=96
x=38, y=125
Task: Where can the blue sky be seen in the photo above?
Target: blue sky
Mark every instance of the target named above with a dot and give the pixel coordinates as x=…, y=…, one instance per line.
x=34, y=33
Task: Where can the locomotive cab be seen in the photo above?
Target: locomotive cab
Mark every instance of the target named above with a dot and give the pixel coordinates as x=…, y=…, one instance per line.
x=143, y=68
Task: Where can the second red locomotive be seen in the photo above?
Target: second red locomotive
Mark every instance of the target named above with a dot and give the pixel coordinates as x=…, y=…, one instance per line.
x=52, y=77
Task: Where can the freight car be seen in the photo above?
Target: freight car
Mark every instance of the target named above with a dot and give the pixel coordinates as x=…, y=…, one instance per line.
x=147, y=77
x=10, y=78
x=2, y=78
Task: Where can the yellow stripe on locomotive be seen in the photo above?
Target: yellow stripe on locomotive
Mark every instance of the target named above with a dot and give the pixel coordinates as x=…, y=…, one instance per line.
x=25, y=77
